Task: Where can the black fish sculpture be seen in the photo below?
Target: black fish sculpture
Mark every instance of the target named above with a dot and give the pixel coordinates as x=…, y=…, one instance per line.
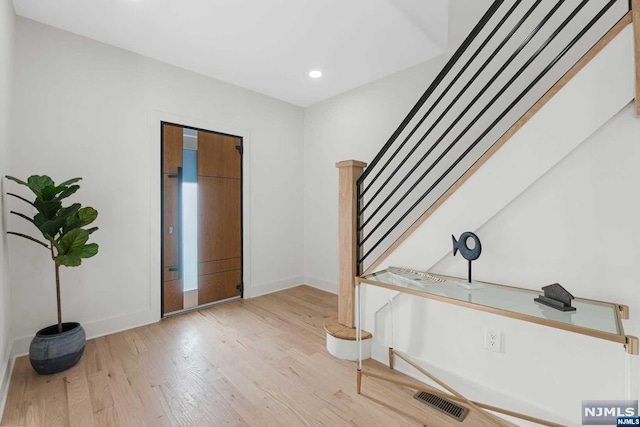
x=470, y=254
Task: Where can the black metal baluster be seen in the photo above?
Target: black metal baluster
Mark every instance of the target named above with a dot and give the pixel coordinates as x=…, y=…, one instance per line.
x=454, y=59
x=444, y=93
x=507, y=110
x=455, y=100
x=524, y=44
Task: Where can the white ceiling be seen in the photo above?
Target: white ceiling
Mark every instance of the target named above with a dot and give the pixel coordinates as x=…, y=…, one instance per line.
x=265, y=45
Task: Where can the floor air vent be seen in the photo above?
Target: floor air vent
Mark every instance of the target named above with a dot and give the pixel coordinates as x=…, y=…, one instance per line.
x=445, y=406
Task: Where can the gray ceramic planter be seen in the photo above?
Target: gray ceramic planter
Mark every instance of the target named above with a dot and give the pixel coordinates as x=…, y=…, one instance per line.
x=52, y=352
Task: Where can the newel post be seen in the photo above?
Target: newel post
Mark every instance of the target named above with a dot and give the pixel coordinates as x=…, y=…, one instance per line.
x=350, y=171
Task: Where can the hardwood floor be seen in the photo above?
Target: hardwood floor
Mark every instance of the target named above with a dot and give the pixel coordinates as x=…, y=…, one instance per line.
x=257, y=362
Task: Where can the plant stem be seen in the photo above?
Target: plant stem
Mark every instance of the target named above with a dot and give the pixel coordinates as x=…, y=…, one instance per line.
x=53, y=257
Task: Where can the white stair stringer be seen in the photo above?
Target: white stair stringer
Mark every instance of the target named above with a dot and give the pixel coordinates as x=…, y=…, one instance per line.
x=599, y=91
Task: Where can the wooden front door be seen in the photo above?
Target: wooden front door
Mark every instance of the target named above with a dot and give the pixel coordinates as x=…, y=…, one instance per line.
x=219, y=218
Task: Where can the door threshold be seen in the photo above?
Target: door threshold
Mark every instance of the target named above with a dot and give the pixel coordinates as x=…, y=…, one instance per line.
x=198, y=307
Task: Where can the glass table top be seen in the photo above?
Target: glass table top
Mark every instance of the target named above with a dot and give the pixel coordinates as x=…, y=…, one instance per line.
x=594, y=315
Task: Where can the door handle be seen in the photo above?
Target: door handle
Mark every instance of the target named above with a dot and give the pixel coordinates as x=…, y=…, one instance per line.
x=179, y=226
x=174, y=269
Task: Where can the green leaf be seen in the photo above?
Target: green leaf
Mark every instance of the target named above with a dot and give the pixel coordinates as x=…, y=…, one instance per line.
x=73, y=240
x=74, y=258
x=21, y=198
x=50, y=191
x=69, y=211
x=37, y=183
x=87, y=215
x=73, y=219
x=87, y=251
x=39, y=219
x=68, y=260
x=23, y=217
x=45, y=226
x=48, y=208
x=68, y=192
x=92, y=229
x=29, y=238
x=71, y=181
x=19, y=181
x=51, y=227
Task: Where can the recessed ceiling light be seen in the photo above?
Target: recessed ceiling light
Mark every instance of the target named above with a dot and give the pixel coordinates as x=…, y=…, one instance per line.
x=315, y=74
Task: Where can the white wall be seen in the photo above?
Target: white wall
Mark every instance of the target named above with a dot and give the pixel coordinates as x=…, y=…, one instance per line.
x=7, y=18
x=451, y=338
x=82, y=108
x=355, y=125
x=576, y=225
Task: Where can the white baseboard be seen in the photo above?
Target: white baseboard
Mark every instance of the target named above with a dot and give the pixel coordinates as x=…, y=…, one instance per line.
x=114, y=325
x=122, y=323
x=322, y=284
x=97, y=328
x=5, y=379
x=269, y=288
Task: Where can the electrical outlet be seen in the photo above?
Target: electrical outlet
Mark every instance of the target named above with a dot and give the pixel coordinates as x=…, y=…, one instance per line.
x=493, y=340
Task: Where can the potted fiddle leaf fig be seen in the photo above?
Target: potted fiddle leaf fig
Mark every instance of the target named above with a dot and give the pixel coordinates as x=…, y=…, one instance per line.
x=63, y=232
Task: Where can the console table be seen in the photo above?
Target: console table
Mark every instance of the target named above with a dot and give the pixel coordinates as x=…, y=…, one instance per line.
x=597, y=319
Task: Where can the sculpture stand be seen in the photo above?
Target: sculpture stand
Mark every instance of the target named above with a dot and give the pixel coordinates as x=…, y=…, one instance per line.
x=470, y=284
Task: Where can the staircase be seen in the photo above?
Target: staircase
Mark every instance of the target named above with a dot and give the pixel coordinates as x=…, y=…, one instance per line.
x=514, y=61
x=490, y=125
x=538, y=141
x=512, y=58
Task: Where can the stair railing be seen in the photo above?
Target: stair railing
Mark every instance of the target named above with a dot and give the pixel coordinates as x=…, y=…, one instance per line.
x=512, y=57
